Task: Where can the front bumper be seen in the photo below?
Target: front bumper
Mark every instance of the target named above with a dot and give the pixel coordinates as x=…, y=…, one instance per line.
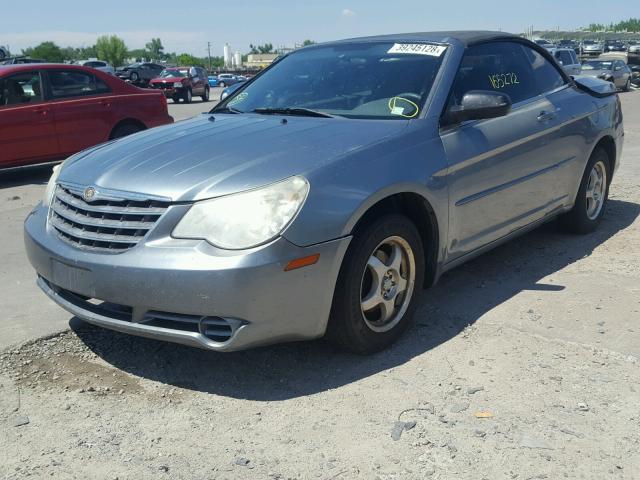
x=189, y=282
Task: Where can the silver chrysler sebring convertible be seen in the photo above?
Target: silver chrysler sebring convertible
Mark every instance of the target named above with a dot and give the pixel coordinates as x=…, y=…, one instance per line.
x=324, y=194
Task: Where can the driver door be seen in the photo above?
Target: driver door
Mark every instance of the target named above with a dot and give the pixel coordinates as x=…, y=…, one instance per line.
x=501, y=170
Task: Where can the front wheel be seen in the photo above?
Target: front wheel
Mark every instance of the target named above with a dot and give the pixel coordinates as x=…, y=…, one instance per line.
x=588, y=210
x=378, y=286
x=188, y=96
x=205, y=97
x=135, y=78
x=222, y=84
x=627, y=86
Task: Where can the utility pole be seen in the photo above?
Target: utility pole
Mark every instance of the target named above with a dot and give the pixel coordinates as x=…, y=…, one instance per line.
x=209, y=50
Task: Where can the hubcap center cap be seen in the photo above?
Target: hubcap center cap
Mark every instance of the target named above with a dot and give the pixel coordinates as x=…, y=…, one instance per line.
x=388, y=283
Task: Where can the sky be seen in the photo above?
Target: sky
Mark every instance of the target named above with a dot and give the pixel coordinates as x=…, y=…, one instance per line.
x=187, y=26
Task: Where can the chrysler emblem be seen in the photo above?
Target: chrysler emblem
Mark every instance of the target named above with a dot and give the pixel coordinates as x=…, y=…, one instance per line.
x=89, y=193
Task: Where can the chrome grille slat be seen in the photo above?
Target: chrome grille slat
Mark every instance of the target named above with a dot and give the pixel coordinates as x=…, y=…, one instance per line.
x=86, y=235
x=77, y=217
x=66, y=197
x=104, y=225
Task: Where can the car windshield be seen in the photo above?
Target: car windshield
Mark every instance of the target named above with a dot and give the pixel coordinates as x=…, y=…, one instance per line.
x=597, y=65
x=171, y=72
x=376, y=80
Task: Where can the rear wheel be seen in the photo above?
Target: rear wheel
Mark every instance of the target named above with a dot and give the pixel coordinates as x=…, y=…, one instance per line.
x=135, y=78
x=377, y=289
x=124, y=130
x=205, y=97
x=593, y=193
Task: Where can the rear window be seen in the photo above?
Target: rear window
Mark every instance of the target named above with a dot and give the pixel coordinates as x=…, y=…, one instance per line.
x=73, y=83
x=20, y=89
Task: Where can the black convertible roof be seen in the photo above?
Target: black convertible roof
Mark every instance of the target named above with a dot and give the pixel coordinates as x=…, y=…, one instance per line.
x=462, y=37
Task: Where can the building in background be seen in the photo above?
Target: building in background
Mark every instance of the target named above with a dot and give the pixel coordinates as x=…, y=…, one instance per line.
x=260, y=60
x=237, y=60
x=227, y=56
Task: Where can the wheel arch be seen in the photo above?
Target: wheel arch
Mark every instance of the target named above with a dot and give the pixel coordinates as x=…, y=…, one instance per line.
x=608, y=144
x=126, y=121
x=420, y=211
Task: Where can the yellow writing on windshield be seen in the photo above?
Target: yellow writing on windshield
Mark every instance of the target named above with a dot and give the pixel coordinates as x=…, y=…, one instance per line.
x=503, y=80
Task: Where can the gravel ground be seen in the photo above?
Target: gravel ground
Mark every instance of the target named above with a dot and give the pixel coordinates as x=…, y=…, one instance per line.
x=523, y=364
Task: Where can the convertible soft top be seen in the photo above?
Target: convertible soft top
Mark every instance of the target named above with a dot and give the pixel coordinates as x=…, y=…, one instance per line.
x=462, y=37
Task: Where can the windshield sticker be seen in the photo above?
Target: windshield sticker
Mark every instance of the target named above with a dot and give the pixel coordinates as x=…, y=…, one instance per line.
x=402, y=107
x=418, y=49
x=240, y=98
x=503, y=80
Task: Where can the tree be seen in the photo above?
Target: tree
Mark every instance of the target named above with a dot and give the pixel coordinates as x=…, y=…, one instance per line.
x=140, y=54
x=112, y=49
x=188, y=60
x=155, y=49
x=48, y=51
x=307, y=42
x=266, y=48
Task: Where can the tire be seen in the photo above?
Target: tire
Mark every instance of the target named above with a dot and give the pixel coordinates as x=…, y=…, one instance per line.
x=205, y=97
x=187, y=96
x=368, y=281
x=176, y=99
x=591, y=200
x=125, y=129
x=627, y=86
x=222, y=84
x=135, y=78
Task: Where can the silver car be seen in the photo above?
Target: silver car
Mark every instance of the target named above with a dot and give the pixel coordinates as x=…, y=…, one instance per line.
x=568, y=59
x=98, y=65
x=326, y=193
x=610, y=69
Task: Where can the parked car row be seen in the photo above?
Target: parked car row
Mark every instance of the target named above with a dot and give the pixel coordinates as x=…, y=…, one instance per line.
x=592, y=47
x=51, y=111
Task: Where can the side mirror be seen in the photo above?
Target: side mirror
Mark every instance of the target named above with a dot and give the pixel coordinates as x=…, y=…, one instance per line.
x=478, y=105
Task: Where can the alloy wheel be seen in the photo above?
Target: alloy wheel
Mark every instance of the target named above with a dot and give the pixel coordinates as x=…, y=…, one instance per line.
x=387, y=284
x=596, y=189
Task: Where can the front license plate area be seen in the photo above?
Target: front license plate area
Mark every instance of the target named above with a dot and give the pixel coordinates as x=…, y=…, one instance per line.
x=76, y=279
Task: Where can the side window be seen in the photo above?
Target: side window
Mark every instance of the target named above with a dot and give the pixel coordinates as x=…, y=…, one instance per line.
x=20, y=89
x=73, y=83
x=497, y=66
x=574, y=58
x=564, y=57
x=546, y=75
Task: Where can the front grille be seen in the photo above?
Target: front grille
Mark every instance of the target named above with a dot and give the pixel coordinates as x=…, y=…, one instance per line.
x=109, y=226
x=162, y=85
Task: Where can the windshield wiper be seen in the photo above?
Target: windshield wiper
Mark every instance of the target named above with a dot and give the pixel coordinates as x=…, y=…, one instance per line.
x=305, y=112
x=226, y=109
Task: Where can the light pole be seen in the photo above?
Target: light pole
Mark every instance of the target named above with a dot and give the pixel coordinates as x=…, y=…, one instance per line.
x=209, y=50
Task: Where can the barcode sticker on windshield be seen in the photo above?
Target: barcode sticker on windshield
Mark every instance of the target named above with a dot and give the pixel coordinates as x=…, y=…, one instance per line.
x=418, y=49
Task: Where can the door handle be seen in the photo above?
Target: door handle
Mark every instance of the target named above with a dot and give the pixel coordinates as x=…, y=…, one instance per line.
x=544, y=116
x=44, y=111
x=105, y=103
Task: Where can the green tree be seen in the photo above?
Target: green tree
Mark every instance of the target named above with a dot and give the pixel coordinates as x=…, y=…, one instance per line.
x=188, y=60
x=266, y=48
x=139, y=54
x=307, y=42
x=111, y=49
x=48, y=51
x=155, y=49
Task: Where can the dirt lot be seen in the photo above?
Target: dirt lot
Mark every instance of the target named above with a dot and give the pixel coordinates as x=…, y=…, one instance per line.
x=523, y=364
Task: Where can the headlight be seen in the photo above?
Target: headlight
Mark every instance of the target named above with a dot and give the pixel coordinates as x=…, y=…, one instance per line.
x=177, y=85
x=247, y=219
x=51, y=186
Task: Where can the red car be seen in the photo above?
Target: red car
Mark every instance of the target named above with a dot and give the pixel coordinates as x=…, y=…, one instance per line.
x=50, y=111
x=183, y=83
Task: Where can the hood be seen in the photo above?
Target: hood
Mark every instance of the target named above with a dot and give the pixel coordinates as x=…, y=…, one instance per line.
x=596, y=73
x=200, y=158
